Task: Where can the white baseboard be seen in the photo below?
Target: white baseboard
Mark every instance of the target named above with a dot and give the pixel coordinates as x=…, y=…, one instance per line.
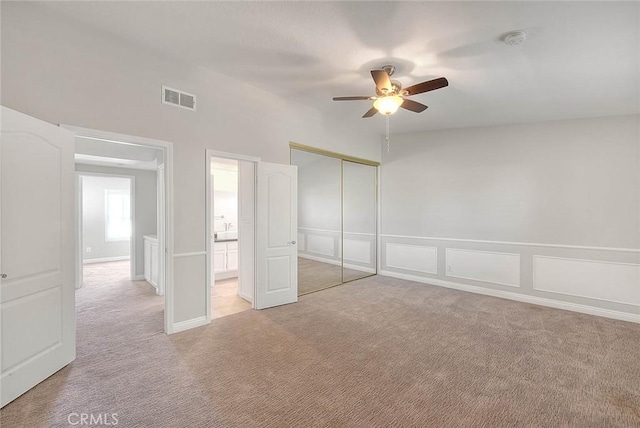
x=225, y=275
x=105, y=259
x=138, y=278
x=359, y=268
x=574, y=307
x=338, y=263
x=189, y=324
x=320, y=259
x=245, y=297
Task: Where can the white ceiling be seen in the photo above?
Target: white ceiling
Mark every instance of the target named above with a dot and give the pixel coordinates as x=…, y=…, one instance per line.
x=581, y=59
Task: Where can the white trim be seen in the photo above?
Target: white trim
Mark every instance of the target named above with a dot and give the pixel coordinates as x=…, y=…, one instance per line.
x=386, y=263
x=319, y=230
x=586, y=260
x=446, y=263
x=378, y=238
x=324, y=245
x=79, y=253
x=337, y=232
x=338, y=263
x=235, y=156
x=578, y=295
x=226, y=275
x=189, y=324
x=167, y=147
x=359, y=268
x=320, y=259
x=138, y=278
x=245, y=297
x=527, y=244
x=105, y=259
x=193, y=254
x=574, y=307
x=358, y=233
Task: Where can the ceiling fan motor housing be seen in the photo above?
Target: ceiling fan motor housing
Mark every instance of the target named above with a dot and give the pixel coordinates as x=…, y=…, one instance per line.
x=390, y=69
x=515, y=38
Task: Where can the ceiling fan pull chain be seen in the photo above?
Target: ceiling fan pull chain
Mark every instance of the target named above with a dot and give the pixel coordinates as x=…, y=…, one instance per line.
x=387, y=134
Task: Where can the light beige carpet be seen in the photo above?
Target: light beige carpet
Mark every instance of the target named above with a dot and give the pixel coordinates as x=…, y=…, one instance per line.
x=378, y=352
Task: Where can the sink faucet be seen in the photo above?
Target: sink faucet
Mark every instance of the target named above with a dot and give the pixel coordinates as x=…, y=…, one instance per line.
x=227, y=226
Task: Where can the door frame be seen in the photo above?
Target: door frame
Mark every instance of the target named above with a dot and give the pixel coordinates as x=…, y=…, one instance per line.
x=166, y=265
x=356, y=160
x=209, y=154
x=80, y=222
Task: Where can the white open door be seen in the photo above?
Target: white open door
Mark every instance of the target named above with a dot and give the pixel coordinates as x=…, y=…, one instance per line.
x=246, y=229
x=37, y=290
x=276, y=231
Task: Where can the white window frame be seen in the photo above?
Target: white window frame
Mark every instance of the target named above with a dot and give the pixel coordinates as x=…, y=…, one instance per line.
x=107, y=194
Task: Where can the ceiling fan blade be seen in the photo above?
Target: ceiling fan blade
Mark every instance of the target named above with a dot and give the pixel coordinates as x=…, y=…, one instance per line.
x=372, y=111
x=413, y=106
x=356, y=98
x=383, y=83
x=427, y=86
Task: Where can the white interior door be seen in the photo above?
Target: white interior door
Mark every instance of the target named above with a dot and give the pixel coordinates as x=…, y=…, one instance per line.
x=79, y=242
x=246, y=229
x=36, y=252
x=161, y=227
x=277, y=225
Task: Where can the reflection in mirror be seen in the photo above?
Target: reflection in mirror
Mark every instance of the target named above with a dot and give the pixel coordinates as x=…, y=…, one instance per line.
x=359, y=220
x=319, y=221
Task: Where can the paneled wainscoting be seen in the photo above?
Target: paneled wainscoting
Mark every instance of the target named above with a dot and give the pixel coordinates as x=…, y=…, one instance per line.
x=325, y=246
x=595, y=280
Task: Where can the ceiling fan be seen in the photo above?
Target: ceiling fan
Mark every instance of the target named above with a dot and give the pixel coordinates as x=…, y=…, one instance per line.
x=390, y=95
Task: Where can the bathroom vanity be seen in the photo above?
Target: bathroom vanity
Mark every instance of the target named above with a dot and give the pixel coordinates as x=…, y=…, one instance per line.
x=225, y=255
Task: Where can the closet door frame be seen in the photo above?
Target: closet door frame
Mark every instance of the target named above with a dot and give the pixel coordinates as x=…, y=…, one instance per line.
x=346, y=158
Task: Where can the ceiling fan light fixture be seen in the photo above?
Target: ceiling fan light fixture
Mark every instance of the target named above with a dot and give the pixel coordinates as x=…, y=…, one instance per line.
x=389, y=104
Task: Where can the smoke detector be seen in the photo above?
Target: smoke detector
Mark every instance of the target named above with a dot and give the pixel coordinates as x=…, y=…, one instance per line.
x=515, y=38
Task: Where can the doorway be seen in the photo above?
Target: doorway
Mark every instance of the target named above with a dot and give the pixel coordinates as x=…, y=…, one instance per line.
x=231, y=233
x=141, y=221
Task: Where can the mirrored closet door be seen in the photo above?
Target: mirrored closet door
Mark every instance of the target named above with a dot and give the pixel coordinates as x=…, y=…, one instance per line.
x=337, y=218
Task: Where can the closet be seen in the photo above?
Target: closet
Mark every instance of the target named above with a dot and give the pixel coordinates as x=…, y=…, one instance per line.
x=337, y=218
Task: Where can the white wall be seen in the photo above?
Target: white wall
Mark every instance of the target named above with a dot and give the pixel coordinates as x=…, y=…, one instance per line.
x=145, y=205
x=513, y=208
x=64, y=72
x=225, y=199
x=95, y=243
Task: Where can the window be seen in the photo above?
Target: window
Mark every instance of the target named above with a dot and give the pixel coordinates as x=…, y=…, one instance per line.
x=117, y=215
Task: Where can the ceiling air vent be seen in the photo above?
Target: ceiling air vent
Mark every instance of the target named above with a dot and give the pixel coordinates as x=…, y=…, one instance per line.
x=178, y=98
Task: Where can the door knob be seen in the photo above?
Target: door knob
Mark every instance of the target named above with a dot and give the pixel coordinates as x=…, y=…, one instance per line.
x=3, y=276
x=292, y=242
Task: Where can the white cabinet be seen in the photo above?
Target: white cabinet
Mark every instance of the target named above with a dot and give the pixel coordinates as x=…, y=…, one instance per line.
x=232, y=259
x=151, y=260
x=219, y=257
x=232, y=255
x=225, y=259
